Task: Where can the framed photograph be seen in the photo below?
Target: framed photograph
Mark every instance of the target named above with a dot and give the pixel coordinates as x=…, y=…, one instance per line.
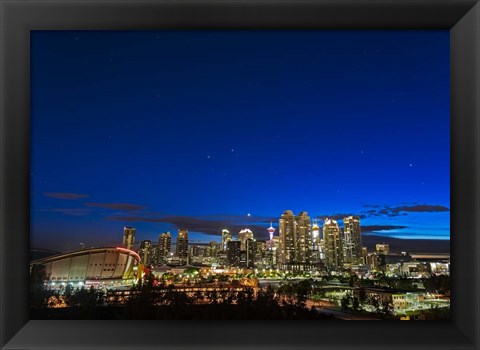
x=190, y=172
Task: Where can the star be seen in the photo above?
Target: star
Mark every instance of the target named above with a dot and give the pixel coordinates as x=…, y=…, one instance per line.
x=208, y=157
x=410, y=165
x=232, y=150
x=249, y=214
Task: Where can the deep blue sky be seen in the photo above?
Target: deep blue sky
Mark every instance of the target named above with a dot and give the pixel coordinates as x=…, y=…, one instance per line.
x=200, y=129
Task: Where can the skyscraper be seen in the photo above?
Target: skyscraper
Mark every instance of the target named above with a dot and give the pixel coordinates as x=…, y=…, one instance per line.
x=295, y=241
x=303, y=239
x=128, y=237
x=212, y=249
x=182, y=245
x=287, y=232
x=226, y=237
x=353, y=240
x=233, y=253
x=250, y=252
x=315, y=242
x=164, y=246
x=364, y=256
x=145, y=252
x=243, y=235
x=154, y=255
x=333, y=245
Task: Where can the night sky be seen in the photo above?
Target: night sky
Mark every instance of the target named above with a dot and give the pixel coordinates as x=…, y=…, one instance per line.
x=228, y=129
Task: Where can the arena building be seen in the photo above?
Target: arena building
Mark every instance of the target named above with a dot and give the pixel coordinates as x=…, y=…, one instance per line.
x=100, y=267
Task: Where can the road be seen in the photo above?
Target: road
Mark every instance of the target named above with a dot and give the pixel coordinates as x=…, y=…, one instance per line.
x=344, y=315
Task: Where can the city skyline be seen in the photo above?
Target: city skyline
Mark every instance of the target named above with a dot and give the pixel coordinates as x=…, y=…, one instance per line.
x=210, y=130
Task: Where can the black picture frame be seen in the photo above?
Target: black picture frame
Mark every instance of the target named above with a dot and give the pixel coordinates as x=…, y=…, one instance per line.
x=18, y=17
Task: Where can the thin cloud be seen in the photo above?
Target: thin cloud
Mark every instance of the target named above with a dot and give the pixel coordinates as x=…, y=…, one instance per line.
x=68, y=211
x=422, y=208
x=117, y=206
x=198, y=224
x=371, y=206
x=376, y=228
x=65, y=195
x=405, y=209
x=339, y=216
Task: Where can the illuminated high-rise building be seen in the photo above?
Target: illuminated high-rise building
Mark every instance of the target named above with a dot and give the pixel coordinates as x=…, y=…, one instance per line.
x=198, y=251
x=128, y=237
x=287, y=232
x=353, y=240
x=154, y=255
x=315, y=235
x=243, y=235
x=212, y=249
x=364, y=256
x=382, y=248
x=233, y=253
x=250, y=252
x=333, y=245
x=226, y=237
x=316, y=242
x=321, y=249
x=303, y=239
x=276, y=250
x=145, y=252
x=182, y=245
x=164, y=246
x=263, y=254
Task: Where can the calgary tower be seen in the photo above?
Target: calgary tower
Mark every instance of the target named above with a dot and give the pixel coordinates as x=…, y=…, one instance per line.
x=271, y=231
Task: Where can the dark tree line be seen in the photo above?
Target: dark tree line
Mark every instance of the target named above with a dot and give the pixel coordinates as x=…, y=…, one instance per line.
x=149, y=300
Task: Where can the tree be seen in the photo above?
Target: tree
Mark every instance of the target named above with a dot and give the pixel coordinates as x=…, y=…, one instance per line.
x=362, y=295
x=387, y=308
x=346, y=301
x=437, y=284
x=303, y=288
x=352, y=280
x=39, y=295
x=355, y=304
x=199, y=296
x=374, y=301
